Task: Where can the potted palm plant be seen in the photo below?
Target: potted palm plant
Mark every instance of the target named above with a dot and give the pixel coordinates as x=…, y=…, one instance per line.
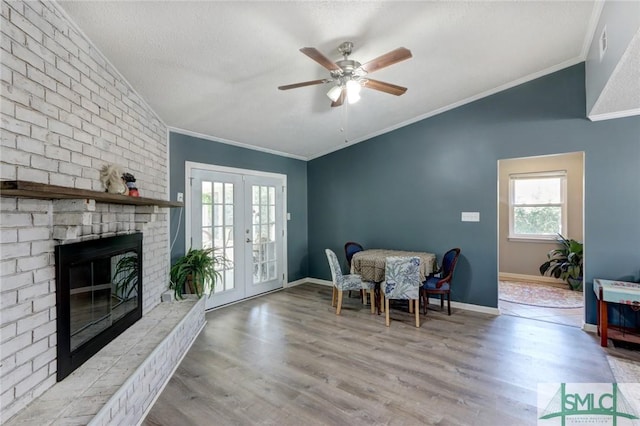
x=565, y=263
x=196, y=272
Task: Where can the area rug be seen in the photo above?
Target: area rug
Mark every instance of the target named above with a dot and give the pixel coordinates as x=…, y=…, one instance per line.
x=539, y=295
x=624, y=371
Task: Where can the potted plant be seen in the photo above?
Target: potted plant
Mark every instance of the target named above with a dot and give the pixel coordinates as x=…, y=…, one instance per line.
x=196, y=272
x=565, y=263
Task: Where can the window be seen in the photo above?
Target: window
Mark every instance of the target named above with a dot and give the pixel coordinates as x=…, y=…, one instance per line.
x=537, y=205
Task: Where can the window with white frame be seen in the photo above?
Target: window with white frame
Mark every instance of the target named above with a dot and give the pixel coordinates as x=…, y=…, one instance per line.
x=538, y=205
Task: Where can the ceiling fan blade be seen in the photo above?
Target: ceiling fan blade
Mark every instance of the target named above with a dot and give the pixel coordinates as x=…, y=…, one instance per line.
x=315, y=54
x=395, y=56
x=340, y=100
x=385, y=87
x=303, y=84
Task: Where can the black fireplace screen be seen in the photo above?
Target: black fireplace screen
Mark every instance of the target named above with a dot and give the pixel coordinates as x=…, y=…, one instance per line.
x=99, y=288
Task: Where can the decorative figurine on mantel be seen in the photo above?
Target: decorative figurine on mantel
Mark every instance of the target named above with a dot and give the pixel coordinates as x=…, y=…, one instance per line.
x=130, y=180
x=111, y=178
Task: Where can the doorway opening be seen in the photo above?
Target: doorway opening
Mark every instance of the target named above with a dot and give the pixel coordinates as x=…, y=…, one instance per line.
x=540, y=200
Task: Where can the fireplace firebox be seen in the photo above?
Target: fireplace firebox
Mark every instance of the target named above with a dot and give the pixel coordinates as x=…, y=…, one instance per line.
x=98, y=295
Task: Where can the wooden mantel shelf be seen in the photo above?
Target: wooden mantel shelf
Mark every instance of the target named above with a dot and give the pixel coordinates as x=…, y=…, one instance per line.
x=43, y=191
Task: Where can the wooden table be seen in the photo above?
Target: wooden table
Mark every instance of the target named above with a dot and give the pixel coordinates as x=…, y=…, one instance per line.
x=371, y=264
x=621, y=292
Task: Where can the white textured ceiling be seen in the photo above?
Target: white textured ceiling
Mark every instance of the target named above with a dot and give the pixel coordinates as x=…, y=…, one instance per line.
x=213, y=68
x=622, y=91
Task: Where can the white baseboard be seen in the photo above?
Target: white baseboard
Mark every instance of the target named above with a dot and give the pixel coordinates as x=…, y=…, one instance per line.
x=297, y=282
x=590, y=328
x=531, y=278
x=475, y=308
x=318, y=281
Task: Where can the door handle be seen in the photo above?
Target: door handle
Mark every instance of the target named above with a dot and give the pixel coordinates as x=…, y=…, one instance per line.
x=248, y=240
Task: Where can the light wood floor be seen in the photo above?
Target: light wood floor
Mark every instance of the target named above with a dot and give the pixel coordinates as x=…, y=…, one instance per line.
x=287, y=359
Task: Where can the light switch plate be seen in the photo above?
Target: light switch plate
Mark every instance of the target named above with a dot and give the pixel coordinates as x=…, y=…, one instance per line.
x=180, y=197
x=470, y=217
x=288, y=216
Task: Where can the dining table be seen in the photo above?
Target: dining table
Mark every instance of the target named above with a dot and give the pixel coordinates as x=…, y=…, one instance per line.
x=370, y=265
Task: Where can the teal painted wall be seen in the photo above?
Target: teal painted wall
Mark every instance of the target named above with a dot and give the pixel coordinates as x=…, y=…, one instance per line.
x=406, y=189
x=184, y=148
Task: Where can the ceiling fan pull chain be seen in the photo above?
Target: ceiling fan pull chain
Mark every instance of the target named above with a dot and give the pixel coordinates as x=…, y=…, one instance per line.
x=345, y=121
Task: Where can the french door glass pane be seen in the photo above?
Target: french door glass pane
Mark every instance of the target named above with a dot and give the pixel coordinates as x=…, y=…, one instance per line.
x=264, y=254
x=217, y=210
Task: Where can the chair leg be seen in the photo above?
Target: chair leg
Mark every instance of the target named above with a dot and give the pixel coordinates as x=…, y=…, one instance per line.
x=381, y=301
x=417, y=309
x=410, y=306
x=333, y=297
x=441, y=301
x=339, y=308
x=386, y=315
x=372, y=297
x=449, y=303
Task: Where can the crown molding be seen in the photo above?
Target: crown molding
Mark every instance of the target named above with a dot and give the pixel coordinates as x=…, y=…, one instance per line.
x=612, y=115
x=234, y=143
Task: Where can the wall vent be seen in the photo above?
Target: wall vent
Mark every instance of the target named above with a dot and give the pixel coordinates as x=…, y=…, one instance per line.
x=603, y=42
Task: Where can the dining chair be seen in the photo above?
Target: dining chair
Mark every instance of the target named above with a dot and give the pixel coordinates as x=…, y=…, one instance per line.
x=343, y=282
x=351, y=248
x=439, y=282
x=402, y=281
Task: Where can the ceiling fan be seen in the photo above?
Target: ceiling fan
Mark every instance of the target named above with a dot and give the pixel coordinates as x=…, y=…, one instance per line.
x=349, y=75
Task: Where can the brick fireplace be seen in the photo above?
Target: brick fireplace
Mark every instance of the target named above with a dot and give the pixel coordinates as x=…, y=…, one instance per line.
x=66, y=112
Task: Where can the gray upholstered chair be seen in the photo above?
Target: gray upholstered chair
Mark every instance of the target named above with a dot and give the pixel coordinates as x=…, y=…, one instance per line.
x=402, y=281
x=343, y=282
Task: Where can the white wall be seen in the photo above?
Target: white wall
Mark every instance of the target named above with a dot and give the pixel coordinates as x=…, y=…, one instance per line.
x=65, y=113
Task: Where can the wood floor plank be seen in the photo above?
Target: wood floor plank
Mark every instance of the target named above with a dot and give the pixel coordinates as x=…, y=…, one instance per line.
x=287, y=359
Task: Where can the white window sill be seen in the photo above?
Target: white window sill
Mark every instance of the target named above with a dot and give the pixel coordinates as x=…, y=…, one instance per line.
x=523, y=239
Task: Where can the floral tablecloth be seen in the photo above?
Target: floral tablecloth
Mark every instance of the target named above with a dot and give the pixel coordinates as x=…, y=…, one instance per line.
x=370, y=264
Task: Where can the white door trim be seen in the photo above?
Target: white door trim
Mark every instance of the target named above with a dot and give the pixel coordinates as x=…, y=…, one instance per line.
x=190, y=165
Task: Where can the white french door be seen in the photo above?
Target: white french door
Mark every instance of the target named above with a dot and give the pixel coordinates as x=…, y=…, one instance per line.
x=240, y=214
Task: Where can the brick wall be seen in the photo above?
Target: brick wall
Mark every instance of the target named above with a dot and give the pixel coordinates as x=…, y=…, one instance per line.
x=65, y=113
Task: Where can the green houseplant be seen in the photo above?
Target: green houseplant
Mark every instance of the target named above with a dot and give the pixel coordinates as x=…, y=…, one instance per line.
x=126, y=277
x=196, y=272
x=565, y=263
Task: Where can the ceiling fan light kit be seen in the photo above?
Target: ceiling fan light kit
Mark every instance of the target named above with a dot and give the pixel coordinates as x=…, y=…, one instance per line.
x=334, y=93
x=348, y=75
